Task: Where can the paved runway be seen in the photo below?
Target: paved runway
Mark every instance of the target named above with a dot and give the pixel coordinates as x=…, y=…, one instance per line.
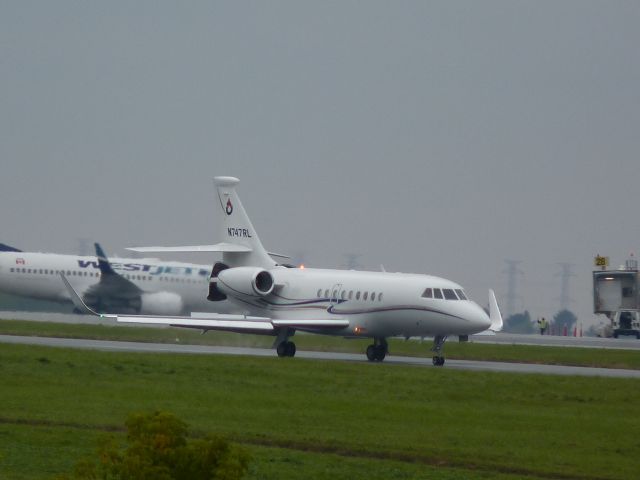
x=626, y=343
x=261, y=352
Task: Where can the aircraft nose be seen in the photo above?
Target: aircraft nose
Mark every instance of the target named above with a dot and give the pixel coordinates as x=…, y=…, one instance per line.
x=479, y=318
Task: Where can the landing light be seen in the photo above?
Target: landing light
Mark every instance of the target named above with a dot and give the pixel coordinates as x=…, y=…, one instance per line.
x=609, y=278
x=301, y=266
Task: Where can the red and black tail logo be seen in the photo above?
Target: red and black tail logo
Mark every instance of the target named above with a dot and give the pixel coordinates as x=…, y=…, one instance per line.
x=229, y=208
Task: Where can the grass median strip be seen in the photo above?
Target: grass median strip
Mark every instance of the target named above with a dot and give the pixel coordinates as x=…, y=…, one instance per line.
x=477, y=423
x=284, y=449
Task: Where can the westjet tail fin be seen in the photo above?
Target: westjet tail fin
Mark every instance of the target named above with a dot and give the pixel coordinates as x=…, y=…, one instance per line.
x=103, y=261
x=6, y=248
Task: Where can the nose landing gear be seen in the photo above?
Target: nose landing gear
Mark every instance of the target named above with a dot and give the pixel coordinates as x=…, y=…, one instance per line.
x=438, y=344
x=377, y=351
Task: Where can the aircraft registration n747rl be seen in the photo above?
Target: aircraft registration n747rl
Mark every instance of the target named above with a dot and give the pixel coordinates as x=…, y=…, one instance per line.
x=279, y=301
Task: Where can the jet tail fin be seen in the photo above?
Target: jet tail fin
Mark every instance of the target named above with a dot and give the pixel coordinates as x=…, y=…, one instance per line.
x=236, y=228
x=7, y=248
x=240, y=244
x=494, y=313
x=103, y=261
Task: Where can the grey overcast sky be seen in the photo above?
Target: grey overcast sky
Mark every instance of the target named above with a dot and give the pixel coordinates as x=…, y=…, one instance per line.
x=433, y=137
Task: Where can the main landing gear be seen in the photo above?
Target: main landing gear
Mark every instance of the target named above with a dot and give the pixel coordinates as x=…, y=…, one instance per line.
x=283, y=346
x=286, y=349
x=377, y=351
x=438, y=344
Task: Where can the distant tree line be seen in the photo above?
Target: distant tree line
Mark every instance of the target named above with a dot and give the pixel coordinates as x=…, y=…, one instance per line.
x=522, y=323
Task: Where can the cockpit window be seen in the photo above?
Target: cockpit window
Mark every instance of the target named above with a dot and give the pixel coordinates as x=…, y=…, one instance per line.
x=428, y=293
x=437, y=293
x=449, y=294
x=461, y=294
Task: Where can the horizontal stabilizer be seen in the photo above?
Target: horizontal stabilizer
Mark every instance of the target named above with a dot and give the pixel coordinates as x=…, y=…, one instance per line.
x=218, y=247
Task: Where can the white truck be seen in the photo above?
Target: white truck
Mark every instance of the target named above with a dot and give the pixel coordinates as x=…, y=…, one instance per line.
x=623, y=322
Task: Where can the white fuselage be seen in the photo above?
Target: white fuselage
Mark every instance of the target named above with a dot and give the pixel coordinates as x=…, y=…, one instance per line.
x=376, y=304
x=36, y=275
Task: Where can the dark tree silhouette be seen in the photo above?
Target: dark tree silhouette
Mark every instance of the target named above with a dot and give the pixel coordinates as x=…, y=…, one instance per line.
x=519, y=323
x=562, y=318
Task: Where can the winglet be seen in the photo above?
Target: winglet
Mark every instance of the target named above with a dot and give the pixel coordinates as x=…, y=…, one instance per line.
x=78, y=302
x=494, y=313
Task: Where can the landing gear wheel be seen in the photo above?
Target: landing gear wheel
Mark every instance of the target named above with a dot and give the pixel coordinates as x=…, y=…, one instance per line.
x=438, y=361
x=371, y=353
x=376, y=353
x=286, y=349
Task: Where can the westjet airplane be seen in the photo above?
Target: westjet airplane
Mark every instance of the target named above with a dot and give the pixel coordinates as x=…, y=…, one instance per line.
x=279, y=301
x=125, y=285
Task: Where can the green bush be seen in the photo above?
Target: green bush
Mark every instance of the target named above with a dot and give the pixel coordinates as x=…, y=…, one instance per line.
x=158, y=448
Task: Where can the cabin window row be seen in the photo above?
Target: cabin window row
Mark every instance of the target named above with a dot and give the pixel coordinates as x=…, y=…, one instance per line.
x=74, y=273
x=46, y=271
x=343, y=295
x=444, y=293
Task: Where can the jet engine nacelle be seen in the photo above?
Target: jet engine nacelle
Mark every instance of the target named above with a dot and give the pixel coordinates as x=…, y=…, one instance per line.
x=161, y=303
x=252, y=281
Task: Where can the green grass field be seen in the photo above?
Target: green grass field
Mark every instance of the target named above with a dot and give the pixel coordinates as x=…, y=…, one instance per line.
x=313, y=419
x=606, y=358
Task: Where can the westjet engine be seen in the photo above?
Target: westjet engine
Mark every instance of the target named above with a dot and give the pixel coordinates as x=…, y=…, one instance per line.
x=251, y=281
x=161, y=303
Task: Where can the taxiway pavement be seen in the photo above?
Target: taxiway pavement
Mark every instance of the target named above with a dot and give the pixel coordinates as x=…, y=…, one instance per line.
x=116, y=346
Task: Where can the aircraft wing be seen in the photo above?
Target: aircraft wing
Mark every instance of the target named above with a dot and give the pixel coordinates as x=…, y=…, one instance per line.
x=211, y=321
x=232, y=323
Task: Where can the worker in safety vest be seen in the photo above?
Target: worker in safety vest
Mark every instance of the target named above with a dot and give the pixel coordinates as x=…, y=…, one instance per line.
x=543, y=324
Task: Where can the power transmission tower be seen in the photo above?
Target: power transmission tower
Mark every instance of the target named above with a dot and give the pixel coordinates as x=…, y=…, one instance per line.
x=85, y=246
x=565, y=274
x=512, y=272
x=351, y=261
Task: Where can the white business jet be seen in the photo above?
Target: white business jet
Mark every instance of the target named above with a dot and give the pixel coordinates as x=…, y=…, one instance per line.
x=279, y=301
